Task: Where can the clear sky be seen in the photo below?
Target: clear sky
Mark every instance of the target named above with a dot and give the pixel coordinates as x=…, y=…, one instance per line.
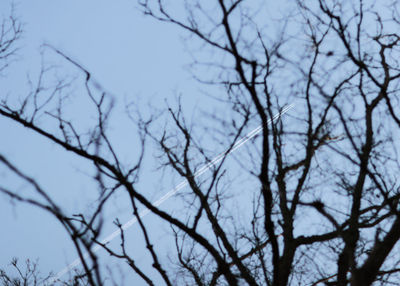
x=132, y=57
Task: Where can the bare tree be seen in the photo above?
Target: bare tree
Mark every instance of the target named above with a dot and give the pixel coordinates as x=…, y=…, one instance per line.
x=30, y=275
x=11, y=30
x=320, y=200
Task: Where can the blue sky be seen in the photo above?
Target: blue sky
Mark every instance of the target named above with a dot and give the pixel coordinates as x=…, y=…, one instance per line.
x=132, y=57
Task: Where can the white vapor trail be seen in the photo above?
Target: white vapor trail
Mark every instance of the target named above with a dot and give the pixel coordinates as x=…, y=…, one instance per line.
x=180, y=186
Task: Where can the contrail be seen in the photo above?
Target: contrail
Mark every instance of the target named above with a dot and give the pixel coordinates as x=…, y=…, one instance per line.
x=180, y=186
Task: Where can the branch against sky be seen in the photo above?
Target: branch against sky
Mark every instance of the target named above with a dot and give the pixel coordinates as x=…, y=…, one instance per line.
x=313, y=199
x=10, y=34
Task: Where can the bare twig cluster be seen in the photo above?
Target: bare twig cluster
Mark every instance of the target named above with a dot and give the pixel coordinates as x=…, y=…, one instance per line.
x=321, y=192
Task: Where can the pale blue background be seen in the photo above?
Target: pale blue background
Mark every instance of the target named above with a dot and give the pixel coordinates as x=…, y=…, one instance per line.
x=131, y=56
x=134, y=58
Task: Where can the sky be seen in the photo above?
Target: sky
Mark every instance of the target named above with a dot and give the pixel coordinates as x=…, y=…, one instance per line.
x=132, y=57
